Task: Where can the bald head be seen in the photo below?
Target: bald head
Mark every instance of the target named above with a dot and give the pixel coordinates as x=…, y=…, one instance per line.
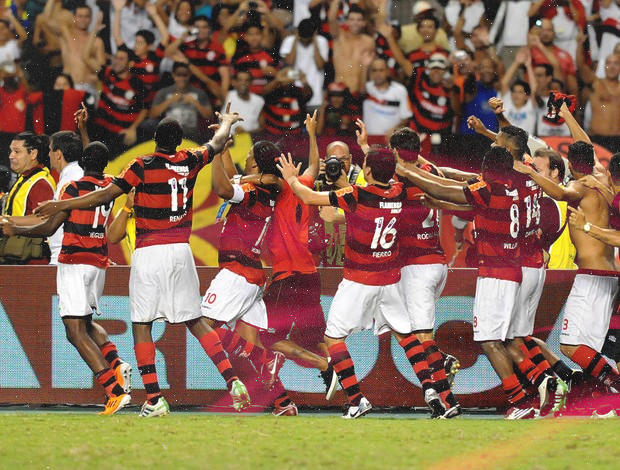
x=340, y=150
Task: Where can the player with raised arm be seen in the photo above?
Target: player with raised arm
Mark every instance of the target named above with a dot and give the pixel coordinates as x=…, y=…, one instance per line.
x=80, y=277
x=589, y=305
x=369, y=290
x=164, y=283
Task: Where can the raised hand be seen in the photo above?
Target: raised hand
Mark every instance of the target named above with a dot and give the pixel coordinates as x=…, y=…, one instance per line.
x=287, y=168
x=362, y=133
x=310, y=123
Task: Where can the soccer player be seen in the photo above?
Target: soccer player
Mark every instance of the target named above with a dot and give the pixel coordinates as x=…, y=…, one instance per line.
x=497, y=222
x=589, y=305
x=424, y=271
x=82, y=262
x=164, y=283
x=369, y=290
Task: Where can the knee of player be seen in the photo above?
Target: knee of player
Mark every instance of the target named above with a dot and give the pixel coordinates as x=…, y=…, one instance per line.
x=567, y=350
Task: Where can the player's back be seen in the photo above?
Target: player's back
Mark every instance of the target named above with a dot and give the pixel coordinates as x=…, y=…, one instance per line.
x=530, y=194
x=373, y=215
x=243, y=233
x=591, y=253
x=84, y=240
x=163, y=203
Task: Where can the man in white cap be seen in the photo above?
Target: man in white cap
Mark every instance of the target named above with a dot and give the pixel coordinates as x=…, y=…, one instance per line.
x=411, y=38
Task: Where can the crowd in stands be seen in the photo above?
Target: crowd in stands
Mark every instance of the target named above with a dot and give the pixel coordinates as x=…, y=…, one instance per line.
x=426, y=65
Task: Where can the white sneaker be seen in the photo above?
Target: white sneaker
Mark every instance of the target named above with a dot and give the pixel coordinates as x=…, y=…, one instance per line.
x=358, y=411
x=160, y=408
x=526, y=412
x=122, y=374
x=610, y=414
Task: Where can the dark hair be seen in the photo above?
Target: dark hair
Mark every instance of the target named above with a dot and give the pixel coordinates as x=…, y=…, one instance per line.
x=405, y=138
x=6, y=23
x=525, y=85
x=215, y=25
x=200, y=18
x=498, y=162
x=96, y=156
x=518, y=138
x=306, y=28
x=558, y=82
x=69, y=143
x=83, y=5
x=581, y=157
x=267, y=155
x=556, y=162
x=251, y=24
x=148, y=36
x=614, y=166
x=548, y=69
x=5, y=178
x=356, y=9
x=68, y=77
x=430, y=17
x=40, y=143
x=382, y=163
x=179, y=65
x=169, y=134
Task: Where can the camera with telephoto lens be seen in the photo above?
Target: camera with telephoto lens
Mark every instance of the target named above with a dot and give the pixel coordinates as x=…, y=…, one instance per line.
x=333, y=168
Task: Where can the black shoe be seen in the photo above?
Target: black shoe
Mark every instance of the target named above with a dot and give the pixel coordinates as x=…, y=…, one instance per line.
x=330, y=378
x=431, y=397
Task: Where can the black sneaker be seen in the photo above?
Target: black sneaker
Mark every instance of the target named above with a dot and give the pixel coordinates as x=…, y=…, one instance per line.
x=330, y=378
x=431, y=397
x=451, y=366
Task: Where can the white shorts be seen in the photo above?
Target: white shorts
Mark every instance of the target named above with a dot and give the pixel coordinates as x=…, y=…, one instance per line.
x=231, y=297
x=421, y=286
x=79, y=288
x=522, y=323
x=588, y=310
x=163, y=284
x=356, y=306
x=494, y=306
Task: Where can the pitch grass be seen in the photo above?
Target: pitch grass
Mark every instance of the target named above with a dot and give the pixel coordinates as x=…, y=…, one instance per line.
x=206, y=441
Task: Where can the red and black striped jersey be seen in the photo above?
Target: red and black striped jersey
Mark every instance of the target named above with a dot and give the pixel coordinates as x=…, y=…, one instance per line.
x=382, y=48
x=431, y=104
x=530, y=247
x=121, y=100
x=84, y=240
x=207, y=56
x=420, y=241
x=496, y=226
x=419, y=57
x=164, y=194
x=243, y=233
x=373, y=215
x=254, y=62
x=285, y=110
x=147, y=69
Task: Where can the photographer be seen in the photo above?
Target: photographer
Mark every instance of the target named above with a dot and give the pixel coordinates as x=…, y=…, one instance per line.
x=338, y=160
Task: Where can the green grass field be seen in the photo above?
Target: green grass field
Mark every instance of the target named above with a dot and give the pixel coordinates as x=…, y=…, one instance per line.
x=192, y=440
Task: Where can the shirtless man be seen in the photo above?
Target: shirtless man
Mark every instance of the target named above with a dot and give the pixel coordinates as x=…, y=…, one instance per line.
x=72, y=31
x=589, y=305
x=353, y=48
x=604, y=96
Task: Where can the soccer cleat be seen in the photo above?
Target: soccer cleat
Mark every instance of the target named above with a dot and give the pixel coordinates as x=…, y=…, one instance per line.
x=160, y=408
x=123, y=376
x=546, y=388
x=561, y=392
x=239, y=394
x=358, y=411
x=602, y=415
x=576, y=378
x=452, y=366
x=431, y=397
x=521, y=411
x=330, y=378
x=114, y=404
x=288, y=410
x=270, y=370
x=452, y=413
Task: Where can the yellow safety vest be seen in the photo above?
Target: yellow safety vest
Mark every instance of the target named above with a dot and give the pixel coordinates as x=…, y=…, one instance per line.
x=18, y=196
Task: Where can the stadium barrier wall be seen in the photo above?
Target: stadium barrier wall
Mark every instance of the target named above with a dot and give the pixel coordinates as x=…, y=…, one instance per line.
x=39, y=366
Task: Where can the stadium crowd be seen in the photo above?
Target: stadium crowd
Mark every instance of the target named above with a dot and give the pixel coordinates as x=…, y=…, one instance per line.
x=341, y=69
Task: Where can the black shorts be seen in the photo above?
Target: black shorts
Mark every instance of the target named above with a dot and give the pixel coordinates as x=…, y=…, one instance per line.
x=611, y=347
x=295, y=300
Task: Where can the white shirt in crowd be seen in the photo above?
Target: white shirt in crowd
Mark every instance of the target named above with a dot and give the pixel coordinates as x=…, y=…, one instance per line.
x=304, y=61
x=516, y=23
x=384, y=109
x=250, y=110
x=524, y=117
x=72, y=172
x=10, y=52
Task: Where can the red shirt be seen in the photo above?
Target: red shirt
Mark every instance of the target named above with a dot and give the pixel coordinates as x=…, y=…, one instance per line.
x=614, y=213
x=243, y=233
x=497, y=229
x=566, y=61
x=372, y=214
x=164, y=194
x=254, y=62
x=530, y=194
x=84, y=240
x=13, y=108
x=288, y=236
